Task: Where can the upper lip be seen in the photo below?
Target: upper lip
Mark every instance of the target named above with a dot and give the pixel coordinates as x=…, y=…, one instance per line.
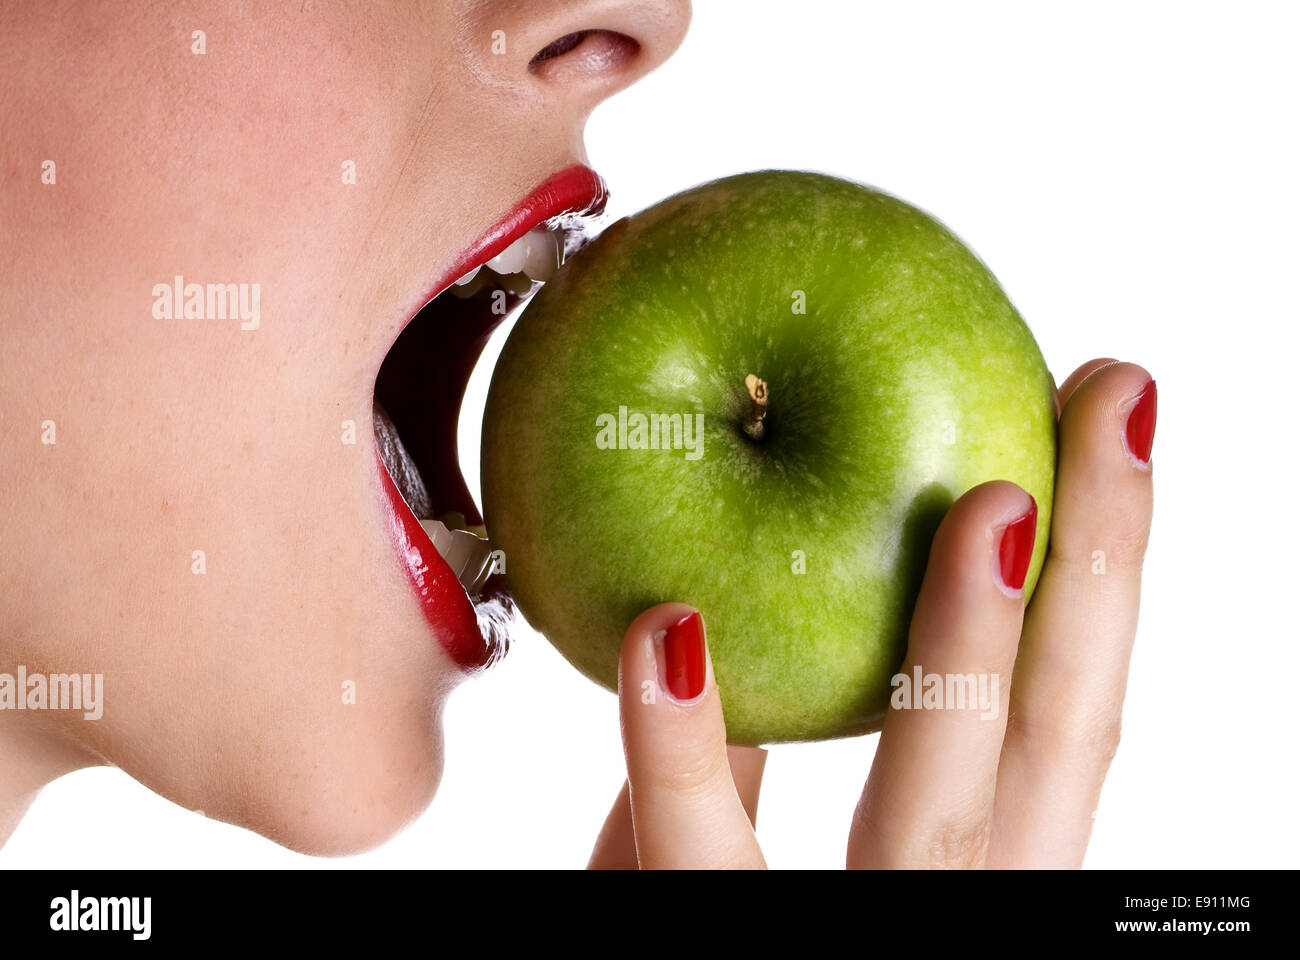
x=472, y=641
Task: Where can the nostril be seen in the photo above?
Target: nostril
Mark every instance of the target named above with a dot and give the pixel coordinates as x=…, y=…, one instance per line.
x=557, y=48
x=584, y=51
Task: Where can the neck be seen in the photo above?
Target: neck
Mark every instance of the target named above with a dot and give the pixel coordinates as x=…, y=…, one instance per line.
x=30, y=758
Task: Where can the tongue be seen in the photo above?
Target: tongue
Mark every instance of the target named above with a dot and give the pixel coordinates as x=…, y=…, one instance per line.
x=400, y=465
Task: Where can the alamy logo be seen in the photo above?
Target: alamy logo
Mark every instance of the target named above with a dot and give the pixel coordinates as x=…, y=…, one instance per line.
x=655, y=431
x=75, y=913
x=179, y=300
x=945, y=691
x=55, y=691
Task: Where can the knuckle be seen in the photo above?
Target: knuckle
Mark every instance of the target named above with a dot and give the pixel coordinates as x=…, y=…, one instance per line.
x=1094, y=743
x=961, y=843
x=1089, y=742
x=1103, y=742
x=1126, y=541
x=1118, y=540
x=690, y=774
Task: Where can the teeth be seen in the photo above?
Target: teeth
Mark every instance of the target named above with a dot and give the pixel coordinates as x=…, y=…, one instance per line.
x=511, y=259
x=478, y=279
x=517, y=283
x=469, y=556
x=439, y=534
x=543, y=255
x=534, y=256
x=536, y=253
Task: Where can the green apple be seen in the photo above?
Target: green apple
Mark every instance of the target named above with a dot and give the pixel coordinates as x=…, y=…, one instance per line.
x=759, y=397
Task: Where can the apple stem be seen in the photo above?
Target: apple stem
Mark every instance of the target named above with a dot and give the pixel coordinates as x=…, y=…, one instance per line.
x=757, y=388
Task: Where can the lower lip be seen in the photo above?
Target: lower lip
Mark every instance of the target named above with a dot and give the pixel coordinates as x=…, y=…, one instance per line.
x=442, y=597
x=446, y=606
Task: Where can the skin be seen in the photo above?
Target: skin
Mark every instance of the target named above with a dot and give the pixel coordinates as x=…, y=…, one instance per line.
x=947, y=788
x=224, y=690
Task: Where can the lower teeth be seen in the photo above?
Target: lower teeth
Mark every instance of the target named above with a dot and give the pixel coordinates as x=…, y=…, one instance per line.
x=486, y=278
x=467, y=554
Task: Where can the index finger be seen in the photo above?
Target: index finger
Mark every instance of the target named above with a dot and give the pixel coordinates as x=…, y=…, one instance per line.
x=686, y=812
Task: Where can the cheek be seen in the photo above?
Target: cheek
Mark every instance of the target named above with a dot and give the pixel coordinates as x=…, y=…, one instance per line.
x=242, y=148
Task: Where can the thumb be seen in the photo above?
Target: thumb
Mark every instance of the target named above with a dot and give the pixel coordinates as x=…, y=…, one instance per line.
x=685, y=809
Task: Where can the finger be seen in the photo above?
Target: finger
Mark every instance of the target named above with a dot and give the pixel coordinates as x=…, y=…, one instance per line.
x=1077, y=377
x=929, y=799
x=1073, y=664
x=615, y=847
x=747, y=765
x=685, y=809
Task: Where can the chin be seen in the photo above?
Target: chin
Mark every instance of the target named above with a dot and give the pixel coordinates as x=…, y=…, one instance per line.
x=348, y=802
x=347, y=791
x=356, y=822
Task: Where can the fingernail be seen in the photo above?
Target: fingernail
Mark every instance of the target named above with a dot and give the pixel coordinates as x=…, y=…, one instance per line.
x=1017, y=547
x=684, y=657
x=1140, y=430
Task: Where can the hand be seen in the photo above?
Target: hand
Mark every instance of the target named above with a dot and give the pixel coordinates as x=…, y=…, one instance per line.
x=948, y=788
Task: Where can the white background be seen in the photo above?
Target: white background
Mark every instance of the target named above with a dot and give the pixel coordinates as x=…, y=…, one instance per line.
x=1129, y=171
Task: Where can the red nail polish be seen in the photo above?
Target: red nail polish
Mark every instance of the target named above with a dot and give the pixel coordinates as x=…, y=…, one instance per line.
x=1017, y=547
x=684, y=657
x=1140, y=430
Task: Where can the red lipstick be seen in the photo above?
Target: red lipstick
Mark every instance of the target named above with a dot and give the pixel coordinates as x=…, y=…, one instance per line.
x=576, y=190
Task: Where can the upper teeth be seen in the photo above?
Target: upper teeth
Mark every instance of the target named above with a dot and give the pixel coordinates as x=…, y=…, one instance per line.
x=538, y=254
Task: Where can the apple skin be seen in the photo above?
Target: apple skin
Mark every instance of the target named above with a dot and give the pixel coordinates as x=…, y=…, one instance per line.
x=909, y=379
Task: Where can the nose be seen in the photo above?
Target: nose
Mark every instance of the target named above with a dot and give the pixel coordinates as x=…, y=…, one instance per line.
x=579, y=50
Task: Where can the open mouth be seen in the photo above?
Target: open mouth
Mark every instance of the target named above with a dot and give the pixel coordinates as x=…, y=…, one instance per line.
x=418, y=393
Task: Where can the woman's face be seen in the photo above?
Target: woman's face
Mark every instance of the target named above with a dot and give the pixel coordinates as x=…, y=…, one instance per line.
x=201, y=531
